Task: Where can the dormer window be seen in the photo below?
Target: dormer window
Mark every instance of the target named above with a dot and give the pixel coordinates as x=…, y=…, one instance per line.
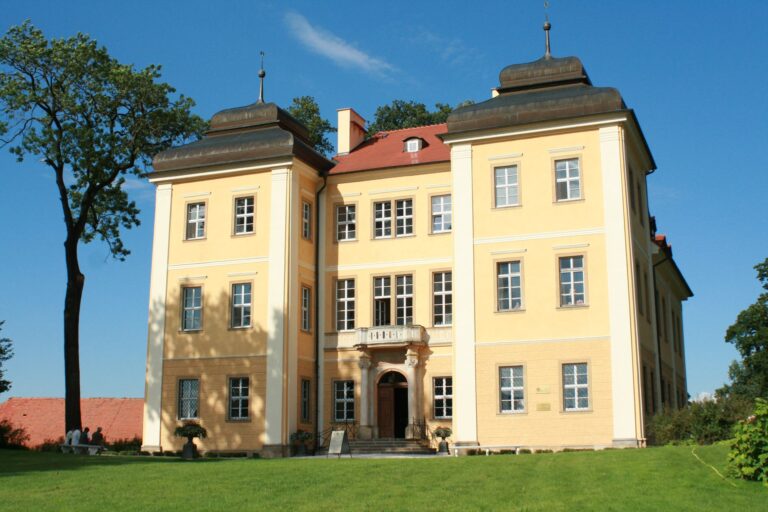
x=413, y=145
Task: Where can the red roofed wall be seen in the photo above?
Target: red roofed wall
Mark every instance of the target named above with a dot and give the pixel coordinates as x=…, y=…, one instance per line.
x=43, y=418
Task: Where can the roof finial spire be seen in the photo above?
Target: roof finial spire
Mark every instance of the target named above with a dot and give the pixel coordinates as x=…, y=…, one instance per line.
x=547, y=26
x=262, y=74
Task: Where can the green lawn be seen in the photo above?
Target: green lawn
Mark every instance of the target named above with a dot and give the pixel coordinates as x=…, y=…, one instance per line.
x=657, y=479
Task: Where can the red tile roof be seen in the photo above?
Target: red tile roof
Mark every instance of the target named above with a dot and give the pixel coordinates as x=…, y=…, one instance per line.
x=385, y=149
x=43, y=418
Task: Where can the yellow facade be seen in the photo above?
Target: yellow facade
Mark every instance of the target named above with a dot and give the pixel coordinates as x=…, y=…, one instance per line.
x=349, y=328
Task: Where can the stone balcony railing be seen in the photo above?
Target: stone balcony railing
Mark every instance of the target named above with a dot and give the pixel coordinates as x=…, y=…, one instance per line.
x=390, y=335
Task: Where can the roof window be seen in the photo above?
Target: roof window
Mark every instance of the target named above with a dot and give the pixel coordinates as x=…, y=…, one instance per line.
x=413, y=144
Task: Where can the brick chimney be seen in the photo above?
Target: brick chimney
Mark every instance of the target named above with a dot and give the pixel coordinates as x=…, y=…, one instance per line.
x=351, y=130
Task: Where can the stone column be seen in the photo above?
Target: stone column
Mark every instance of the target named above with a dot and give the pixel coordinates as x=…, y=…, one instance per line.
x=365, y=431
x=411, y=363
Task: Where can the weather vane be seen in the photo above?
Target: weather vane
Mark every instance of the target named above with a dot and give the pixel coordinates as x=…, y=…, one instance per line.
x=547, y=26
x=262, y=74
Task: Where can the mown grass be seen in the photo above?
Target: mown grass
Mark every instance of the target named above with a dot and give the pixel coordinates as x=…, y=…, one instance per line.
x=657, y=479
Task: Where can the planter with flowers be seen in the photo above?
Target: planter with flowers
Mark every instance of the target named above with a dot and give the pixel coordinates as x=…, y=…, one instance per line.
x=190, y=430
x=443, y=433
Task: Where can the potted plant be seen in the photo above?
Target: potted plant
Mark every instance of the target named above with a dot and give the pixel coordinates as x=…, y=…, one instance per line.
x=442, y=433
x=190, y=430
x=299, y=439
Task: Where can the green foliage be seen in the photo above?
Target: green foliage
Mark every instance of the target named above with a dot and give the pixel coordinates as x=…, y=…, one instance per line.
x=123, y=445
x=408, y=114
x=90, y=119
x=749, y=449
x=191, y=429
x=703, y=422
x=12, y=437
x=442, y=432
x=301, y=436
x=306, y=110
x=50, y=445
x=749, y=377
x=6, y=352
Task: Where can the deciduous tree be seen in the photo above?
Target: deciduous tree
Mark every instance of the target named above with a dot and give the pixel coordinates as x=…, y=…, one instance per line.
x=306, y=110
x=408, y=114
x=6, y=352
x=749, y=377
x=93, y=121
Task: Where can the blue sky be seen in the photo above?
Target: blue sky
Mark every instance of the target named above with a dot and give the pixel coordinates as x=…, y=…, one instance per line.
x=693, y=71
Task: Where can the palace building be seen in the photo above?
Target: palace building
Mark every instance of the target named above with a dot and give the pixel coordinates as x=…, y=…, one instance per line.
x=499, y=274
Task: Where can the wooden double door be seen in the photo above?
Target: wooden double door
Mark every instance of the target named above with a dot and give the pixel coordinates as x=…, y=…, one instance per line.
x=392, y=405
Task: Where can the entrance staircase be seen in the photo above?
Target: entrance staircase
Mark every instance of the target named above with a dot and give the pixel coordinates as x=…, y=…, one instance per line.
x=391, y=446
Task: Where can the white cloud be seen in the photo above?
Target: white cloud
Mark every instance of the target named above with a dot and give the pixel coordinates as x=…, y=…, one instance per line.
x=333, y=47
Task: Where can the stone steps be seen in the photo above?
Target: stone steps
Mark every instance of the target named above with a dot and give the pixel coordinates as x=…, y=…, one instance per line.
x=390, y=446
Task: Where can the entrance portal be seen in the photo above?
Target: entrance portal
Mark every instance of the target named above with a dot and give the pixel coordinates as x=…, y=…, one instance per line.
x=393, y=405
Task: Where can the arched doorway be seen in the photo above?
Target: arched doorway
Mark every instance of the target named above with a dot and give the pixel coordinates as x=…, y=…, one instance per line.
x=392, y=405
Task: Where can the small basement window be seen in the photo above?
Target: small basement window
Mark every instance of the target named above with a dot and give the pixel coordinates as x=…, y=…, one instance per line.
x=413, y=145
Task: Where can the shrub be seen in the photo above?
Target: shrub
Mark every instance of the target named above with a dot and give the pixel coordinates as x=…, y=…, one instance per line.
x=702, y=422
x=125, y=445
x=749, y=449
x=12, y=437
x=50, y=445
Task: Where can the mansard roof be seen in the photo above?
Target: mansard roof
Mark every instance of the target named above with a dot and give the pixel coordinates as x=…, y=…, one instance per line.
x=260, y=131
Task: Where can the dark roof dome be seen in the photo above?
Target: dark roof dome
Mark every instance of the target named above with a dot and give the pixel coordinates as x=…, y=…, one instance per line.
x=543, y=72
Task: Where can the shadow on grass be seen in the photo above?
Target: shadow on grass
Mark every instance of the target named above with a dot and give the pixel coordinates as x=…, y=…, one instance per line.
x=16, y=462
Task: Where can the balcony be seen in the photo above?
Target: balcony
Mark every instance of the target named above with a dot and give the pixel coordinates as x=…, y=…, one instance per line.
x=390, y=336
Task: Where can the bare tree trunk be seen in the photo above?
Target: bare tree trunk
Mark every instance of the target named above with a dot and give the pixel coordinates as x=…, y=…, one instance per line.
x=72, y=300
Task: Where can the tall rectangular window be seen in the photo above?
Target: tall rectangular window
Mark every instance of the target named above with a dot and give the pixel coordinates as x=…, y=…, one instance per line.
x=241, y=305
x=507, y=186
x=382, y=300
x=443, y=393
x=664, y=325
x=509, y=292
x=441, y=214
x=638, y=289
x=346, y=222
x=306, y=311
x=189, y=390
x=238, y=398
x=345, y=304
x=306, y=220
x=646, y=288
x=382, y=219
x=442, y=290
x=192, y=304
x=511, y=389
x=244, y=213
x=572, y=281
x=344, y=400
x=306, y=388
x=567, y=179
x=195, y=221
x=404, y=217
x=404, y=300
x=575, y=387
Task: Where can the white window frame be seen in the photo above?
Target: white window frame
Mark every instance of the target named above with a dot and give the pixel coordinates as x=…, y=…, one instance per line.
x=188, y=399
x=413, y=145
x=404, y=299
x=442, y=403
x=506, y=186
x=506, y=281
x=241, y=305
x=346, y=226
x=306, y=393
x=568, y=179
x=382, y=219
x=570, y=375
x=239, y=398
x=306, y=220
x=441, y=213
x=404, y=217
x=344, y=400
x=345, y=304
x=306, y=308
x=442, y=299
x=382, y=297
x=195, y=309
x=511, y=389
x=568, y=277
x=245, y=213
x=195, y=227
